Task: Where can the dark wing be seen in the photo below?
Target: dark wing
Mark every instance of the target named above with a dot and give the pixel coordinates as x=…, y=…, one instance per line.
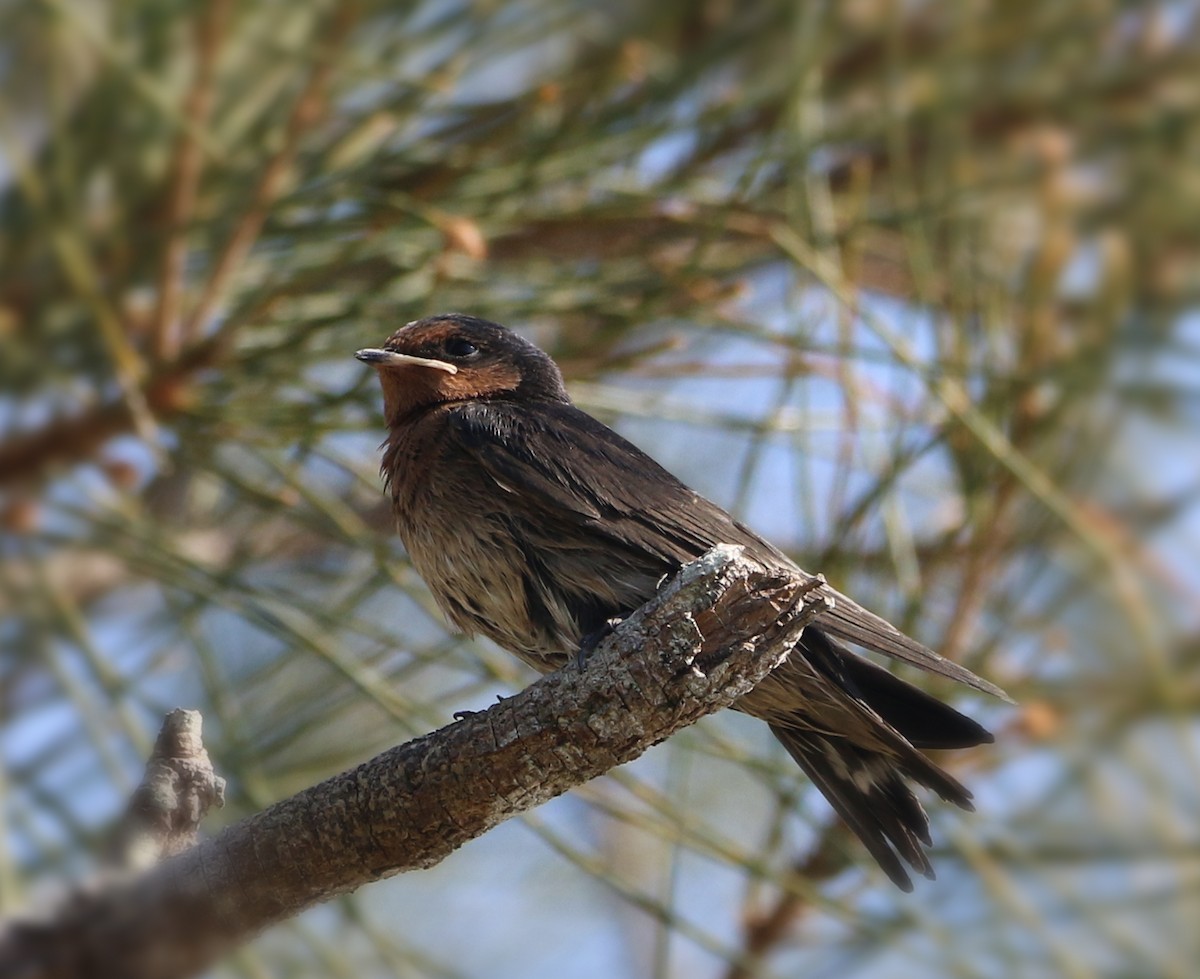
x=562, y=460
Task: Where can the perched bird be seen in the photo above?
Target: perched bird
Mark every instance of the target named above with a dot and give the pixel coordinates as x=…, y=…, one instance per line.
x=538, y=526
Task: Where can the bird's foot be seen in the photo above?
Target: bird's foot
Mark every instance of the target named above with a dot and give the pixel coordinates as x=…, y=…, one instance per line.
x=462, y=715
x=588, y=644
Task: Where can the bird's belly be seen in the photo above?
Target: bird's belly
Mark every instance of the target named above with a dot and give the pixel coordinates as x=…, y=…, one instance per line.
x=535, y=583
x=480, y=580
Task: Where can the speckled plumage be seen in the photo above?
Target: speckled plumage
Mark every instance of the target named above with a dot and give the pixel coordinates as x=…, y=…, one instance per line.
x=534, y=524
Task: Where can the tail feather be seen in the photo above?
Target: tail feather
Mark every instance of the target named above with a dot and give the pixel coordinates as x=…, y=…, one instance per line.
x=850, y=621
x=868, y=790
x=924, y=720
x=857, y=741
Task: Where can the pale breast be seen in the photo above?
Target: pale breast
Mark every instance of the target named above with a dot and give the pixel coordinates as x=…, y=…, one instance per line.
x=479, y=585
x=461, y=543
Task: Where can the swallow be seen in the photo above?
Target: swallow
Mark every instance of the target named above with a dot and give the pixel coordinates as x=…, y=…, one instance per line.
x=538, y=526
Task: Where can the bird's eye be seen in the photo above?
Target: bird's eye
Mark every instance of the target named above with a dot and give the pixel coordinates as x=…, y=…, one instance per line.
x=458, y=347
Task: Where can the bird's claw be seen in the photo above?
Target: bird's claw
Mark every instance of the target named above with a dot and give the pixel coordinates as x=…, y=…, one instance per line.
x=588, y=644
x=462, y=715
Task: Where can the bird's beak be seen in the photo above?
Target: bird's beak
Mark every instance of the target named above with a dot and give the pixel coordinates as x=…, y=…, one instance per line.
x=389, y=358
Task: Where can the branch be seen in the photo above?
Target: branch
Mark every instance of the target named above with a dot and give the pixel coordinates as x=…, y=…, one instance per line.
x=705, y=640
x=24, y=457
x=306, y=111
x=176, y=792
x=185, y=172
x=762, y=932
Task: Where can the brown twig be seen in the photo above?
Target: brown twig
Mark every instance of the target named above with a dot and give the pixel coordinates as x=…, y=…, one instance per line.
x=305, y=113
x=165, y=327
x=763, y=932
x=76, y=437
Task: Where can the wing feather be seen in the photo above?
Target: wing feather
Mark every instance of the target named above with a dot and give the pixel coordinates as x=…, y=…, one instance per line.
x=563, y=463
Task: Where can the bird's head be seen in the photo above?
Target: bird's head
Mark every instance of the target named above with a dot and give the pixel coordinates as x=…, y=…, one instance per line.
x=452, y=357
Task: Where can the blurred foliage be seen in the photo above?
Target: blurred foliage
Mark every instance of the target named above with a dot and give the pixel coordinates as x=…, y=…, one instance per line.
x=909, y=285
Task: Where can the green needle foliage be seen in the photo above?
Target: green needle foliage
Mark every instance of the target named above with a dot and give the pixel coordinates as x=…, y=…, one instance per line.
x=910, y=286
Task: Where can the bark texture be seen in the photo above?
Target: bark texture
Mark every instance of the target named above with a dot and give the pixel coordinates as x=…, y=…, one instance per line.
x=176, y=792
x=705, y=640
